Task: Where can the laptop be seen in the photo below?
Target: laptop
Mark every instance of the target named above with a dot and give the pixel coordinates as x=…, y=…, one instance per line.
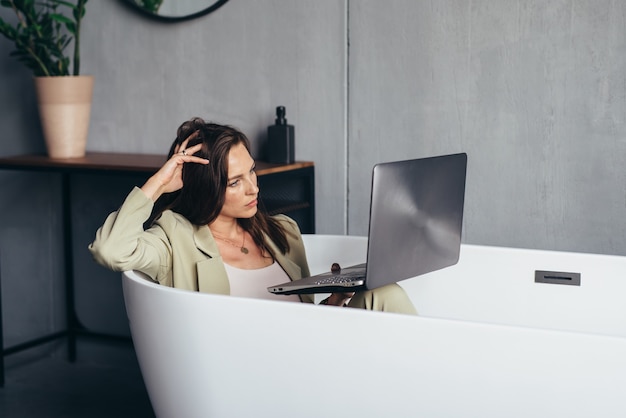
x=416, y=218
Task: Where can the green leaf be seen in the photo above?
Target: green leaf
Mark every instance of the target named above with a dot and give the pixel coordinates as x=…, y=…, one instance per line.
x=43, y=32
x=61, y=18
x=66, y=3
x=7, y=30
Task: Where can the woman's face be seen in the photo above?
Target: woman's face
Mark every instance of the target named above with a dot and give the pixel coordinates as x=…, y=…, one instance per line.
x=241, y=189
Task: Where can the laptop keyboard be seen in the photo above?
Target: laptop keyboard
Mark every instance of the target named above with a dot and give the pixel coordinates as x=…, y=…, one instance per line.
x=340, y=278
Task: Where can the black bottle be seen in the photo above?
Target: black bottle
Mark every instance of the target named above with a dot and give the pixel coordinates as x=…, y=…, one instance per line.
x=280, y=140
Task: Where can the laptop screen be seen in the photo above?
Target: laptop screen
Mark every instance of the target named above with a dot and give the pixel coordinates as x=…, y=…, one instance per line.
x=416, y=217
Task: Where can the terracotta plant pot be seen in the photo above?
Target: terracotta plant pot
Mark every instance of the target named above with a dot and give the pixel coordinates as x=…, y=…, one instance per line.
x=64, y=109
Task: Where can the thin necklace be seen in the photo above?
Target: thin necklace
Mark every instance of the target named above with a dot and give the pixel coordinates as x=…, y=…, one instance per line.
x=242, y=248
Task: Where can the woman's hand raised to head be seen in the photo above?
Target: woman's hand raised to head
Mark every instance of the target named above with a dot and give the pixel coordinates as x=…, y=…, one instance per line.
x=169, y=178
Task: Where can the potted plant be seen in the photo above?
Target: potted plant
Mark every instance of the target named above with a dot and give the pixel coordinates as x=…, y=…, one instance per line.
x=44, y=29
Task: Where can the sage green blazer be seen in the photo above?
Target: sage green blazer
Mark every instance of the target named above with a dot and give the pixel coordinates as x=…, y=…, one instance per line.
x=176, y=253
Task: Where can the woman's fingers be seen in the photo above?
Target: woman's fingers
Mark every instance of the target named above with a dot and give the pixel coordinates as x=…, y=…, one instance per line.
x=191, y=150
x=340, y=298
x=183, y=145
x=185, y=155
x=169, y=177
x=172, y=169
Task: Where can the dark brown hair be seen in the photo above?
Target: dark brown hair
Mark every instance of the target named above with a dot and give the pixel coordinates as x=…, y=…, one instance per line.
x=202, y=197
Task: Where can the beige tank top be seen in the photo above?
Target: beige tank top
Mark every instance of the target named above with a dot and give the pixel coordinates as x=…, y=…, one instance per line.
x=254, y=283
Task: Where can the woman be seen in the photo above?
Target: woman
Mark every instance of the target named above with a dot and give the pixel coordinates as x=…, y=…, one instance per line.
x=204, y=232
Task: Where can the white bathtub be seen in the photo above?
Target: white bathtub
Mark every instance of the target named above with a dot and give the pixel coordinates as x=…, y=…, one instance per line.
x=489, y=342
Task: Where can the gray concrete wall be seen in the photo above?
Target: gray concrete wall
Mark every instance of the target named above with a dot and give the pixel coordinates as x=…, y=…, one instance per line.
x=533, y=91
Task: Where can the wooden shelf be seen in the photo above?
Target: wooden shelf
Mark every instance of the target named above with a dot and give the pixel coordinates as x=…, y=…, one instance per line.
x=119, y=162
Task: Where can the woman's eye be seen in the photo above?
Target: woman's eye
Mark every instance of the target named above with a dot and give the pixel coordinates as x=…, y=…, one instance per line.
x=234, y=183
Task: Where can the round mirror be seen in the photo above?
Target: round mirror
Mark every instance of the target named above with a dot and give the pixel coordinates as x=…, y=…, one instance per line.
x=175, y=10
